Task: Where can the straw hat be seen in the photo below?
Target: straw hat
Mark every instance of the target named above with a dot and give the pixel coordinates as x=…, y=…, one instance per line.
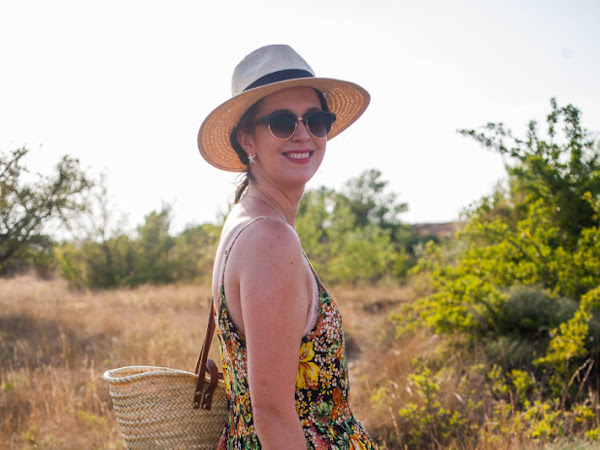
x=264, y=71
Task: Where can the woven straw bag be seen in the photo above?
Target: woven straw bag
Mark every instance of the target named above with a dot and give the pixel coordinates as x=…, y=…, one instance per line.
x=157, y=407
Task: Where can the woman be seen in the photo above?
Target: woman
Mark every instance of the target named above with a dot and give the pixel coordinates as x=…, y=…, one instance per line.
x=280, y=334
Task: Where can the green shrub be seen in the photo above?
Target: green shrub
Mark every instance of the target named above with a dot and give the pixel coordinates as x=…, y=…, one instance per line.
x=531, y=312
x=520, y=287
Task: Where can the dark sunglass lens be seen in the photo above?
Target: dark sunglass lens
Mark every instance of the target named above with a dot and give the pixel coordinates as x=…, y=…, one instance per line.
x=319, y=124
x=282, y=125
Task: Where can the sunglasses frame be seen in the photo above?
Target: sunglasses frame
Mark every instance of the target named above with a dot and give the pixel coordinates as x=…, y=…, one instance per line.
x=267, y=121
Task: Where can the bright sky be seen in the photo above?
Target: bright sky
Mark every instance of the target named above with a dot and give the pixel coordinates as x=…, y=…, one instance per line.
x=124, y=85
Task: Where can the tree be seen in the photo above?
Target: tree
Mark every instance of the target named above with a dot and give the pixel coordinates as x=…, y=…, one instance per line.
x=526, y=267
x=148, y=257
x=154, y=261
x=352, y=235
x=194, y=252
x=26, y=208
x=518, y=287
x=370, y=202
x=556, y=171
x=101, y=253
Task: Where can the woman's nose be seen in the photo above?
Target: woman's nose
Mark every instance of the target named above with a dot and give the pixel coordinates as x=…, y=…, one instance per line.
x=301, y=133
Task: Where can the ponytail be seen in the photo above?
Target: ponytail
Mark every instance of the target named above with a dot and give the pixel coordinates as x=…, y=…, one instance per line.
x=239, y=192
x=246, y=123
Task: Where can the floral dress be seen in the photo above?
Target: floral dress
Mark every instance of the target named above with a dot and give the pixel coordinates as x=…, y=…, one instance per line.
x=322, y=397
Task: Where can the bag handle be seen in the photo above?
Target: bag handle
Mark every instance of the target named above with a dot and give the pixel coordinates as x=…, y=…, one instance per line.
x=203, y=398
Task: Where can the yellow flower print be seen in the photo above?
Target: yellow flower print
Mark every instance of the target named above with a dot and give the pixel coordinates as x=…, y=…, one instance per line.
x=356, y=443
x=226, y=378
x=308, y=371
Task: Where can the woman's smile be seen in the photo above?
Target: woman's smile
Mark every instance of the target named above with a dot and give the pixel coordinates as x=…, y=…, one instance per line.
x=299, y=156
x=286, y=162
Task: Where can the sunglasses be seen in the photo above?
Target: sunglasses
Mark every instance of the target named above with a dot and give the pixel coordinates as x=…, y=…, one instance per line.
x=282, y=125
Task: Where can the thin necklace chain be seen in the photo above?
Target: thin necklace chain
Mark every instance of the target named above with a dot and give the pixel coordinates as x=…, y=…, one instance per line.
x=269, y=205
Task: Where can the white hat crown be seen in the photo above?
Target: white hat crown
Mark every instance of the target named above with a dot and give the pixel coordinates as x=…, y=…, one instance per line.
x=265, y=63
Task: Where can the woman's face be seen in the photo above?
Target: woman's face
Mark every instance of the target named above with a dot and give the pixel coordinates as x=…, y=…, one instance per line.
x=295, y=160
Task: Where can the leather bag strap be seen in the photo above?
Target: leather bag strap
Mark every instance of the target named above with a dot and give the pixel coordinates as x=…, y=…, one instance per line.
x=202, y=397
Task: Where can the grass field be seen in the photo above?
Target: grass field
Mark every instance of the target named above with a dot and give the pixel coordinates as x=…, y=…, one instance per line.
x=55, y=344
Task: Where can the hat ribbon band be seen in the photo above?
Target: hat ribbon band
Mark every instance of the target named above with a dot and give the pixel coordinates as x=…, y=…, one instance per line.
x=281, y=75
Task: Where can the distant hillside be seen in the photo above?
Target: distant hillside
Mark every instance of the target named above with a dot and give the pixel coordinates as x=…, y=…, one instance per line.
x=441, y=230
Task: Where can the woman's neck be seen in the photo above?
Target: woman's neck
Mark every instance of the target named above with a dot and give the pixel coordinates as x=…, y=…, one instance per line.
x=283, y=202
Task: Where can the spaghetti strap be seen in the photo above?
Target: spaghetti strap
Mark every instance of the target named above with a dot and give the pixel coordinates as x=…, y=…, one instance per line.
x=233, y=235
x=313, y=309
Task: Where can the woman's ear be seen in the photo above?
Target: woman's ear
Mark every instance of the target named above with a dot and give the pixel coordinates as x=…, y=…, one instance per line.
x=246, y=140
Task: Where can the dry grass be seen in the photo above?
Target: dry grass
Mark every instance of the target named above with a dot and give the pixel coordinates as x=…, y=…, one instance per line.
x=380, y=355
x=365, y=313
x=55, y=343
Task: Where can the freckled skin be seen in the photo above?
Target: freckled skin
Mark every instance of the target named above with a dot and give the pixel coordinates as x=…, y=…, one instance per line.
x=267, y=280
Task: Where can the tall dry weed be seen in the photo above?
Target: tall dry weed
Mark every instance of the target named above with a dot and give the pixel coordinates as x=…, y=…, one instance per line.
x=55, y=343
x=371, y=352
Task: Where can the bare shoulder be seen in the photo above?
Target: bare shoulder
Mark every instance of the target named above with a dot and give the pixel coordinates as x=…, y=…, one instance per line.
x=268, y=263
x=268, y=239
x=272, y=282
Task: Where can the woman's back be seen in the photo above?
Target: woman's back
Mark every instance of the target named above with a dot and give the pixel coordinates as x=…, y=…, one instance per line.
x=321, y=388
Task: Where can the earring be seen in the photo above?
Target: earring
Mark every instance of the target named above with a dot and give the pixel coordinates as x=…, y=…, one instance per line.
x=251, y=158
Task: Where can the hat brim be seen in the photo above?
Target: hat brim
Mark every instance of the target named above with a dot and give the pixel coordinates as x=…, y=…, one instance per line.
x=347, y=100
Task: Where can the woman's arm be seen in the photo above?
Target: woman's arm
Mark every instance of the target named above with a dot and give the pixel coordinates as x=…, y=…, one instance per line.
x=274, y=301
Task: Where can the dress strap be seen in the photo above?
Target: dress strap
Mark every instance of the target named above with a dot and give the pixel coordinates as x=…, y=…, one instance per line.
x=313, y=310
x=233, y=235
